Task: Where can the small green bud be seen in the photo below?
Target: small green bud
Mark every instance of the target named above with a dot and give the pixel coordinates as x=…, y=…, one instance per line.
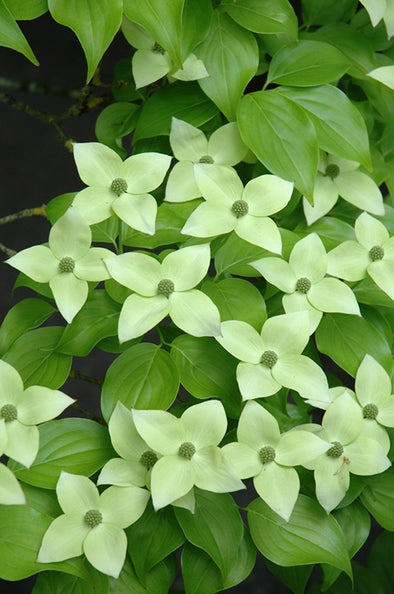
x=158, y=49
x=165, y=287
x=187, y=450
x=269, y=358
x=119, y=186
x=66, y=264
x=332, y=171
x=267, y=454
x=148, y=459
x=370, y=411
x=9, y=412
x=240, y=208
x=376, y=253
x=206, y=159
x=336, y=450
x=93, y=518
x=303, y=284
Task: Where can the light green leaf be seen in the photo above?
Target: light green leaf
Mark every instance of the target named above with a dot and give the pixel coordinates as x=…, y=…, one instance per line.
x=94, y=25
x=79, y=446
x=384, y=74
x=263, y=16
x=311, y=536
x=11, y=36
x=378, y=498
x=24, y=316
x=144, y=376
x=339, y=125
x=26, y=10
x=282, y=136
x=230, y=55
x=34, y=356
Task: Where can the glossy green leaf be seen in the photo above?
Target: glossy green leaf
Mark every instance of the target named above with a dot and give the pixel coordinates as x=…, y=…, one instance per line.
x=58, y=206
x=311, y=536
x=143, y=377
x=206, y=370
x=34, y=355
x=26, y=10
x=79, y=446
x=182, y=100
x=321, y=12
x=196, y=19
x=243, y=563
x=11, y=36
x=97, y=320
x=152, y=538
x=282, y=136
x=25, y=315
x=366, y=291
x=237, y=299
x=294, y=578
x=42, y=500
x=234, y=255
x=378, y=498
x=231, y=56
x=158, y=580
x=332, y=231
x=163, y=20
x=263, y=16
x=307, y=64
x=200, y=573
x=216, y=527
x=94, y=24
x=114, y=122
x=347, y=339
x=53, y=582
x=339, y=125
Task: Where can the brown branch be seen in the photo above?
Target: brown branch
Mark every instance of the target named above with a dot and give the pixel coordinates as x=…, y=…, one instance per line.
x=7, y=250
x=75, y=374
x=24, y=214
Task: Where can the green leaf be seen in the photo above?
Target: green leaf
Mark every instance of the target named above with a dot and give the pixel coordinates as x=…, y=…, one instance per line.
x=34, y=356
x=294, y=578
x=347, y=339
x=182, y=100
x=114, y=122
x=237, y=299
x=20, y=539
x=206, y=370
x=143, y=377
x=25, y=315
x=42, y=500
x=310, y=536
x=378, y=498
x=339, y=125
x=321, y=12
x=307, y=64
x=366, y=291
x=331, y=231
x=97, y=320
x=26, y=10
x=282, y=136
x=200, y=573
x=79, y=446
x=11, y=36
x=263, y=16
x=158, y=580
x=234, y=255
x=216, y=527
x=152, y=538
x=163, y=20
x=53, y=582
x=196, y=19
x=94, y=24
x=381, y=559
x=243, y=563
x=58, y=206
x=231, y=57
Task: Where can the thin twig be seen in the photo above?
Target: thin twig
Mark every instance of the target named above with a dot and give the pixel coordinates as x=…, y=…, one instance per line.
x=75, y=374
x=87, y=413
x=24, y=214
x=7, y=250
x=36, y=88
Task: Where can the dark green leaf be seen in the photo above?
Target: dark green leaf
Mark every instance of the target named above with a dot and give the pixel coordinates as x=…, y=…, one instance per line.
x=381, y=559
x=294, y=578
x=42, y=500
x=331, y=231
x=196, y=19
x=378, y=498
x=366, y=291
x=263, y=16
x=321, y=12
x=158, y=580
x=114, y=122
x=25, y=315
x=243, y=563
x=53, y=582
x=58, y=206
x=200, y=573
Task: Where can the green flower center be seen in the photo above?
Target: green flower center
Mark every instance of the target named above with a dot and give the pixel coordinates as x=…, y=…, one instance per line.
x=240, y=208
x=332, y=171
x=158, y=49
x=93, y=518
x=376, y=253
x=303, y=284
x=9, y=413
x=119, y=186
x=206, y=159
x=148, y=459
x=66, y=264
x=269, y=358
x=336, y=450
x=165, y=287
x=370, y=411
x=187, y=450
x=267, y=454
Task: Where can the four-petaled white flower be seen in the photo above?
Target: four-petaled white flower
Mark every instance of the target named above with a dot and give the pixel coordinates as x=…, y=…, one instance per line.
x=272, y=359
x=372, y=253
x=92, y=523
x=165, y=289
x=117, y=186
x=381, y=10
x=188, y=446
x=264, y=454
x=21, y=410
x=231, y=207
x=304, y=281
x=67, y=264
x=191, y=148
x=10, y=490
x=339, y=177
